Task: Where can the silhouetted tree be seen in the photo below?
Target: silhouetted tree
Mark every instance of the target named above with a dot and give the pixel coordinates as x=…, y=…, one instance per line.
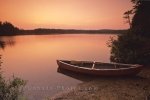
x=7, y=28
x=127, y=17
x=141, y=19
x=134, y=46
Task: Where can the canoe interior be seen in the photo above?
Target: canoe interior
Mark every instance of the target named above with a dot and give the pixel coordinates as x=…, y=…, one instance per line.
x=109, y=66
x=97, y=65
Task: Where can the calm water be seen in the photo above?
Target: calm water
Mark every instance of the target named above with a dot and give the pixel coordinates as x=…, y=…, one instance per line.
x=33, y=58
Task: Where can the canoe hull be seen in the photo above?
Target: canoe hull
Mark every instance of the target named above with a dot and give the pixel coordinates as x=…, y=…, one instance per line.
x=102, y=72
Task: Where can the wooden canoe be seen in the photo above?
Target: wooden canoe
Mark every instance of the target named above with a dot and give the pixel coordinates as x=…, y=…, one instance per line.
x=100, y=68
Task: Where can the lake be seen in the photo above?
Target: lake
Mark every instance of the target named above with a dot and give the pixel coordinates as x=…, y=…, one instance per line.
x=33, y=58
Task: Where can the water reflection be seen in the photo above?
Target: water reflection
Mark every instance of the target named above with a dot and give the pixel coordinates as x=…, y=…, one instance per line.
x=81, y=77
x=10, y=43
x=7, y=41
x=2, y=44
x=33, y=58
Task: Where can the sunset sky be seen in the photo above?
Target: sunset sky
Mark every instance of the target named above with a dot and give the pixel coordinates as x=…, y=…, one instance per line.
x=68, y=14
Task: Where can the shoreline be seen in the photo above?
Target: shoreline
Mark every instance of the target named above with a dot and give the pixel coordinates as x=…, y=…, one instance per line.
x=57, y=34
x=119, y=88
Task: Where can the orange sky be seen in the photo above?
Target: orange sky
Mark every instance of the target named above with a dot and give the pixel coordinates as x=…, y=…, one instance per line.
x=76, y=14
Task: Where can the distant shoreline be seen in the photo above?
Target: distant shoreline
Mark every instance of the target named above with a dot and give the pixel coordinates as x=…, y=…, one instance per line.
x=41, y=31
x=8, y=29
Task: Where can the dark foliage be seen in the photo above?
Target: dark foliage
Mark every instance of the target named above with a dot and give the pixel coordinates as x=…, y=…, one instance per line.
x=141, y=19
x=130, y=48
x=7, y=28
x=134, y=46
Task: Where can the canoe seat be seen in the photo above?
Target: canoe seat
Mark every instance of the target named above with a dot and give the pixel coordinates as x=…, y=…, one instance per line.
x=93, y=65
x=75, y=62
x=82, y=64
x=104, y=66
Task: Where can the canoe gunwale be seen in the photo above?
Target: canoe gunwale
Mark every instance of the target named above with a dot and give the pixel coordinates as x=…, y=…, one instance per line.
x=131, y=66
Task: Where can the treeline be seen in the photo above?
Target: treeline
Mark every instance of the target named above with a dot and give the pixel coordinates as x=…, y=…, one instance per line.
x=69, y=31
x=7, y=28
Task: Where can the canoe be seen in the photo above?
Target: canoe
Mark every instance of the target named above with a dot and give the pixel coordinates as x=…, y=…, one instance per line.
x=100, y=68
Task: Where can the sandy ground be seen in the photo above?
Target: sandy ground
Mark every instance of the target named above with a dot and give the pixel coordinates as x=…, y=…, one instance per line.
x=119, y=88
